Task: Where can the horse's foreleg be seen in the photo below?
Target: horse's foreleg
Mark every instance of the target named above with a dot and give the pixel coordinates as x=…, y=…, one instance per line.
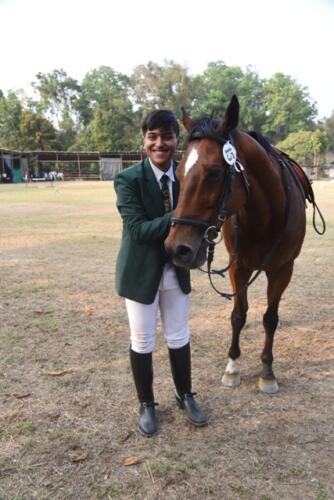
x=239, y=278
x=277, y=283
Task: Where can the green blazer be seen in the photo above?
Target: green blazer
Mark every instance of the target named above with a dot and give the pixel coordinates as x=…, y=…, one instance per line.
x=145, y=227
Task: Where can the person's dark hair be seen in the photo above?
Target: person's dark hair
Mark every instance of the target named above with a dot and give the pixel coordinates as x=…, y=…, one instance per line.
x=161, y=118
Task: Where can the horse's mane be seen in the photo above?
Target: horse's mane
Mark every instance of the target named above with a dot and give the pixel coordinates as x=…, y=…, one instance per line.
x=263, y=141
x=205, y=127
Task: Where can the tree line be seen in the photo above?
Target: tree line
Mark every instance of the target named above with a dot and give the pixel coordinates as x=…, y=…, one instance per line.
x=104, y=111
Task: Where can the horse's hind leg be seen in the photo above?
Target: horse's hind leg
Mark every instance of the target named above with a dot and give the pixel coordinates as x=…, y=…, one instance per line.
x=277, y=283
x=239, y=278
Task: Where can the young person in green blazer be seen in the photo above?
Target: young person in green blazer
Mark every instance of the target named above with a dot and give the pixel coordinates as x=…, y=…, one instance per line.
x=145, y=276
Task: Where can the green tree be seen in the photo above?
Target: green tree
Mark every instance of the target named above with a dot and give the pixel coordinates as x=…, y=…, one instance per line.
x=37, y=133
x=22, y=128
x=105, y=111
x=154, y=86
x=251, y=98
x=10, y=116
x=213, y=90
x=288, y=107
x=68, y=131
x=329, y=129
x=306, y=147
x=58, y=95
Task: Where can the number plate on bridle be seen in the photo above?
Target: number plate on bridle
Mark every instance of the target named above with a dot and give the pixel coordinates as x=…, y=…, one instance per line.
x=229, y=153
x=230, y=156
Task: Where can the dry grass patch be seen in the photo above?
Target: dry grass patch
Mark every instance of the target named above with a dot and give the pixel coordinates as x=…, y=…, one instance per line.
x=68, y=409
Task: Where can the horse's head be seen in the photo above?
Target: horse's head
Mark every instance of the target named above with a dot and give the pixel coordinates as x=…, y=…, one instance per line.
x=208, y=185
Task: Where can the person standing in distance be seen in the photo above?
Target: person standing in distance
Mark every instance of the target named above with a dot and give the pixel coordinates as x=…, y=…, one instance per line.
x=145, y=276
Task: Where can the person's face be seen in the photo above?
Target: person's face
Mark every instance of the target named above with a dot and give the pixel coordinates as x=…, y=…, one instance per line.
x=160, y=146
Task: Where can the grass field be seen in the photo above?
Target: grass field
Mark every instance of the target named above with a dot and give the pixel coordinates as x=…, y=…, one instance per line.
x=68, y=410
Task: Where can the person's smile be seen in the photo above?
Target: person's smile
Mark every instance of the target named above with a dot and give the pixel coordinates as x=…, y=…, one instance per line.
x=160, y=146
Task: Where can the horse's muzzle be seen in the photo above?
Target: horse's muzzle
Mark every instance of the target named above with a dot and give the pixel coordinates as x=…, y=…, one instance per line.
x=186, y=256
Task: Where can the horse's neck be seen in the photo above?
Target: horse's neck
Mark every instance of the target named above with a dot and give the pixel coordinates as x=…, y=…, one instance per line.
x=267, y=199
x=265, y=206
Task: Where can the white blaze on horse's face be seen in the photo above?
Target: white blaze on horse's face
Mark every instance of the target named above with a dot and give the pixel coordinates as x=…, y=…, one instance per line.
x=191, y=160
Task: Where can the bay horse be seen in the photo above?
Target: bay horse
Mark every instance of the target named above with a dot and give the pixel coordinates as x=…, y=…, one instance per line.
x=236, y=181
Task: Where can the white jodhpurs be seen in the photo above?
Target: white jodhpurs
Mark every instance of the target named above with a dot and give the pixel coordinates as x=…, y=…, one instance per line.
x=174, y=311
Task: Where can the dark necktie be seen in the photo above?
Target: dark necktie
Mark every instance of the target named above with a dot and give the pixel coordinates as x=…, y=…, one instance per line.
x=165, y=193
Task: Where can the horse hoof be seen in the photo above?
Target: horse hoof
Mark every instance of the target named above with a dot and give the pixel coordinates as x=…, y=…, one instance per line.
x=231, y=379
x=268, y=386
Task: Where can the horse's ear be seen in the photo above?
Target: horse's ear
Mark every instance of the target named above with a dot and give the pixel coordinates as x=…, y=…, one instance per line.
x=186, y=120
x=231, y=116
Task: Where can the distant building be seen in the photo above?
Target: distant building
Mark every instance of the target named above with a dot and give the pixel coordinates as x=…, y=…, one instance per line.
x=13, y=166
x=327, y=170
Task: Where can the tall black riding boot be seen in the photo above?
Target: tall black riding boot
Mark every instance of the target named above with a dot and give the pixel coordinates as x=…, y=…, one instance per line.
x=180, y=360
x=142, y=370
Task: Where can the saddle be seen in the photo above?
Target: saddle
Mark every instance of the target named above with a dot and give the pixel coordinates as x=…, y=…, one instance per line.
x=298, y=174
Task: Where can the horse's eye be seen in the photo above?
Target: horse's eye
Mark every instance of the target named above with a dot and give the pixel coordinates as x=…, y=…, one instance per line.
x=213, y=174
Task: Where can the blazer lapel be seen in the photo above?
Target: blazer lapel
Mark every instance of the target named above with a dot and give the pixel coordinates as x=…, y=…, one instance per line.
x=152, y=188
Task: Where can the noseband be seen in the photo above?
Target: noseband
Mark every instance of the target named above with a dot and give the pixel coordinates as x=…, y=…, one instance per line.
x=234, y=166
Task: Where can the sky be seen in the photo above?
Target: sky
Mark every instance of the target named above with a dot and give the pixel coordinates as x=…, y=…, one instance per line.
x=295, y=37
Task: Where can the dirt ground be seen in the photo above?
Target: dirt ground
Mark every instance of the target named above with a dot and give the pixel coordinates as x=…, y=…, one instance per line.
x=68, y=409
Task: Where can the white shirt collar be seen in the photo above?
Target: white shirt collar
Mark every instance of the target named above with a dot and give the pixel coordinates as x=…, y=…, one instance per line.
x=159, y=173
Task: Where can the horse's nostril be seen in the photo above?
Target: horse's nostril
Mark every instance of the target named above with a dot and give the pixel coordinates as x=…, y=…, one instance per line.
x=184, y=253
